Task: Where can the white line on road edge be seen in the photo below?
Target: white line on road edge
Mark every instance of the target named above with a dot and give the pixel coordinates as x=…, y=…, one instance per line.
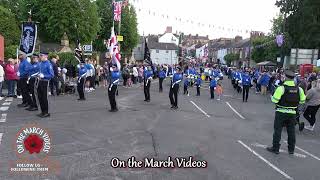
x=3, y=117
x=4, y=108
x=1, y=137
x=9, y=99
x=200, y=109
x=266, y=161
x=235, y=111
x=281, y=150
x=6, y=104
x=306, y=152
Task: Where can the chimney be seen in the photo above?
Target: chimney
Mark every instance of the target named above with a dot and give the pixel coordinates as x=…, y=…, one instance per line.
x=237, y=39
x=169, y=29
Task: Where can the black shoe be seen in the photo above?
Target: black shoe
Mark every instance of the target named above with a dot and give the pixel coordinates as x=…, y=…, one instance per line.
x=28, y=108
x=14, y=96
x=291, y=152
x=32, y=109
x=45, y=115
x=176, y=107
x=22, y=105
x=301, y=126
x=145, y=100
x=172, y=107
x=40, y=115
x=148, y=100
x=113, y=110
x=81, y=99
x=271, y=149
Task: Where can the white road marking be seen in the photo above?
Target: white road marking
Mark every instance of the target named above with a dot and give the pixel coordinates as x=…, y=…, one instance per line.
x=235, y=111
x=4, y=108
x=227, y=95
x=281, y=150
x=1, y=134
x=200, y=109
x=266, y=161
x=10, y=99
x=1, y=98
x=3, y=118
x=6, y=104
x=306, y=152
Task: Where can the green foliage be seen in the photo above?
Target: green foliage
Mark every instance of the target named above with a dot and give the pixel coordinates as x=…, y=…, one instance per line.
x=231, y=57
x=10, y=51
x=303, y=24
x=67, y=58
x=129, y=30
x=267, y=53
x=76, y=18
x=9, y=28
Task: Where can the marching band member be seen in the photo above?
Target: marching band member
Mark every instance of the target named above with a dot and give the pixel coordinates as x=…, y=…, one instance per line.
x=113, y=86
x=81, y=81
x=45, y=75
x=33, y=73
x=174, y=88
x=148, y=73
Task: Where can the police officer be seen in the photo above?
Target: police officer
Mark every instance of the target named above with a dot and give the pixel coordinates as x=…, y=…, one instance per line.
x=174, y=88
x=82, y=73
x=113, y=86
x=287, y=98
x=45, y=75
x=23, y=73
x=148, y=73
x=33, y=73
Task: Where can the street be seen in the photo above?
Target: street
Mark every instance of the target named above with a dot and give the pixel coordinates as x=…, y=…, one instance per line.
x=229, y=134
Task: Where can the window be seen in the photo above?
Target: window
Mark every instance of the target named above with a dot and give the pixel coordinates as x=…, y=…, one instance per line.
x=157, y=51
x=138, y=48
x=167, y=51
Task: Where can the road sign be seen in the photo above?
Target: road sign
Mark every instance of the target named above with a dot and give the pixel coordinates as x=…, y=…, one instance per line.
x=87, y=50
x=120, y=38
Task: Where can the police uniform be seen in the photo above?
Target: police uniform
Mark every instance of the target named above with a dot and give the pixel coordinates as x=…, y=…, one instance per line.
x=287, y=98
x=147, y=83
x=113, y=86
x=23, y=73
x=174, y=88
x=82, y=73
x=45, y=75
x=33, y=73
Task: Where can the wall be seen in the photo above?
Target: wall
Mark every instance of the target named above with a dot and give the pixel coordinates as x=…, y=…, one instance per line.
x=221, y=54
x=164, y=56
x=138, y=52
x=169, y=38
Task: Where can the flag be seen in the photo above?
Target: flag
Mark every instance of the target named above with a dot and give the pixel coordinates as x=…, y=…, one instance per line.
x=78, y=54
x=28, y=38
x=117, y=7
x=147, y=57
x=114, y=49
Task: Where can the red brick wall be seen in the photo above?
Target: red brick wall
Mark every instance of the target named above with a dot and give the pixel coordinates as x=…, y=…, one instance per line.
x=1, y=48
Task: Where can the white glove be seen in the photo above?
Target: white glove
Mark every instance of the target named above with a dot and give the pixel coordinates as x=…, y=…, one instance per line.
x=18, y=73
x=214, y=88
x=240, y=82
x=41, y=75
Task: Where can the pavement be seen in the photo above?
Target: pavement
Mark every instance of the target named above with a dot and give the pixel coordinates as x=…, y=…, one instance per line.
x=229, y=135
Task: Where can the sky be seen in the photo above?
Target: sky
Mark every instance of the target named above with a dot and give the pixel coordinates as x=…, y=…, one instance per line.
x=227, y=18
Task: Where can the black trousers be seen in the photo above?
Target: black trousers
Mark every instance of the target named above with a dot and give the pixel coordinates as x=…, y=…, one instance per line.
x=32, y=88
x=173, y=95
x=198, y=90
x=26, y=98
x=112, y=96
x=160, y=84
x=146, y=89
x=80, y=87
x=54, y=86
x=212, y=92
x=310, y=114
x=245, y=92
x=238, y=87
x=288, y=120
x=92, y=81
x=19, y=89
x=185, y=90
x=43, y=96
x=125, y=80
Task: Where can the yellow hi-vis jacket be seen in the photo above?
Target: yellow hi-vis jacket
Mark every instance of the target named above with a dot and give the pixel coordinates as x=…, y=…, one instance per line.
x=280, y=91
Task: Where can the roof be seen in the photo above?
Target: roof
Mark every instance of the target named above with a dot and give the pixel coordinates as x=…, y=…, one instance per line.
x=266, y=63
x=162, y=46
x=50, y=47
x=242, y=43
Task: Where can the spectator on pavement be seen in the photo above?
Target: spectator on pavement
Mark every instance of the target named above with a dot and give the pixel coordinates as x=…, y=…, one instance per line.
x=313, y=104
x=11, y=77
x=1, y=79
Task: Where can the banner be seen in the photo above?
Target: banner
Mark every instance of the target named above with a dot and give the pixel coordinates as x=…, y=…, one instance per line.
x=28, y=38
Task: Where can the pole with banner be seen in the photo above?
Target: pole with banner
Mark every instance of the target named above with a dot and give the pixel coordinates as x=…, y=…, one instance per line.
x=28, y=36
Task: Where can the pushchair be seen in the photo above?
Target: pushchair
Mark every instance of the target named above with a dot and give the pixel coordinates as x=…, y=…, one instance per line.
x=70, y=86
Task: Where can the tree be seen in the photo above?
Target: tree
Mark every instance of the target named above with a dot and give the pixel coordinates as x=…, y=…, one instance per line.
x=129, y=30
x=265, y=49
x=9, y=29
x=76, y=18
x=231, y=57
